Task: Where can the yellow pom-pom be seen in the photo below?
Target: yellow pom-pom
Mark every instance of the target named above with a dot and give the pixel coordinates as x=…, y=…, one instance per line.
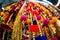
x=8, y=8
x=2, y=13
x=28, y=21
x=54, y=19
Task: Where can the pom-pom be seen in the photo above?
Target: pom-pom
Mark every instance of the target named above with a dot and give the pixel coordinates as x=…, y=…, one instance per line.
x=38, y=17
x=8, y=8
x=23, y=17
x=34, y=22
x=34, y=28
x=29, y=9
x=35, y=12
x=54, y=19
x=55, y=38
x=12, y=7
x=46, y=21
x=43, y=37
x=39, y=10
x=28, y=21
x=20, y=3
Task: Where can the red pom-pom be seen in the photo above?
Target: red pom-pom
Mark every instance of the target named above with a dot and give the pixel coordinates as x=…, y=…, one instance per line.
x=29, y=9
x=34, y=28
x=35, y=12
x=12, y=7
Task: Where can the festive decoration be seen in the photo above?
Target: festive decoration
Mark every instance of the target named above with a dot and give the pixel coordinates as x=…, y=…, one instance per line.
x=46, y=21
x=12, y=7
x=23, y=18
x=43, y=37
x=54, y=19
x=8, y=8
x=38, y=17
x=28, y=21
x=35, y=12
x=34, y=28
x=20, y=3
x=55, y=38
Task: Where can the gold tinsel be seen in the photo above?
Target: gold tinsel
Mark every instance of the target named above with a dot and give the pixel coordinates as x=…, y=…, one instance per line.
x=17, y=28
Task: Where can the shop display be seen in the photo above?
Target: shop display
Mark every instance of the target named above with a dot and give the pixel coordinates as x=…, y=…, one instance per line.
x=31, y=21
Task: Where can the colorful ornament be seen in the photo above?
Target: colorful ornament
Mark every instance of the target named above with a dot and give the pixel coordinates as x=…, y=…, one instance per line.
x=30, y=4
x=55, y=38
x=20, y=3
x=28, y=21
x=39, y=10
x=43, y=37
x=23, y=17
x=12, y=7
x=46, y=21
x=8, y=8
x=54, y=19
x=34, y=22
x=30, y=9
x=34, y=28
x=38, y=17
x=35, y=12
